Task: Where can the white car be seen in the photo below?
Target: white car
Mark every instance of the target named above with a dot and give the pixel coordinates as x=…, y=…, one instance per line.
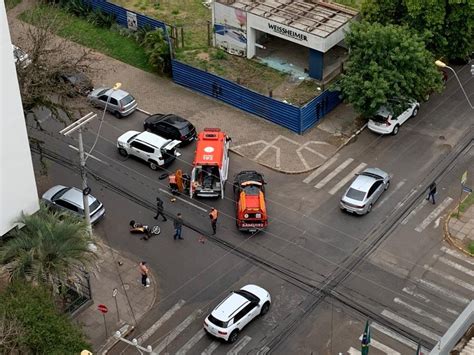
x=236, y=311
x=384, y=123
x=153, y=149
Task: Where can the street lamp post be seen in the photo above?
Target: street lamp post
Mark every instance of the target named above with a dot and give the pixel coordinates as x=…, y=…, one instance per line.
x=441, y=64
x=134, y=343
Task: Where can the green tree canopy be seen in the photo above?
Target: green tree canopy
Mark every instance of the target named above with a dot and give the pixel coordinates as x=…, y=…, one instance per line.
x=387, y=63
x=34, y=324
x=49, y=249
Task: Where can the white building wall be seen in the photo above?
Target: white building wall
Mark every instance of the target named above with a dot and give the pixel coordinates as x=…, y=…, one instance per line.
x=18, y=191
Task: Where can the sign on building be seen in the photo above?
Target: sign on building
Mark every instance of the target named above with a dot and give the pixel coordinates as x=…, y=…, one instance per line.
x=132, y=22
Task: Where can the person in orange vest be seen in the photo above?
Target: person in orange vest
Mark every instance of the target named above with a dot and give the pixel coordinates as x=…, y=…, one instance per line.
x=213, y=216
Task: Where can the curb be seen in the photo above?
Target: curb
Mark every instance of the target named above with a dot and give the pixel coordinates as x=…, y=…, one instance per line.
x=450, y=239
x=112, y=341
x=143, y=111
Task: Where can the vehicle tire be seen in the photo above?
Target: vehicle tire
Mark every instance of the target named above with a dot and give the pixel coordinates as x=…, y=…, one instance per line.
x=387, y=186
x=117, y=114
x=415, y=111
x=233, y=336
x=396, y=129
x=155, y=230
x=153, y=165
x=123, y=152
x=369, y=208
x=265, y=308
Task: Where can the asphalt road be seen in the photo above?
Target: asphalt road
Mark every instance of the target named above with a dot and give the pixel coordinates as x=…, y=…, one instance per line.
x=311, y=253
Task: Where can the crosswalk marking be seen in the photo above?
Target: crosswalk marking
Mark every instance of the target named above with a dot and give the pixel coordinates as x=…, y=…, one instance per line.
x=176, y=331
x=391, y=192
x=414, y=212
x=451, y=278
x=321, y=169
x=396, y=336
x=425, y=299
x=411, y=325
x=333, y=173
x=443, y=291
x=160, y=321
x=210, y=349
x=382, y=347
x=353, y=351
x=191, y=342
x=458, y=255
x=346, y=179
x=456, y=266
x=432, y=216
x=421, y=312
x=240, y=345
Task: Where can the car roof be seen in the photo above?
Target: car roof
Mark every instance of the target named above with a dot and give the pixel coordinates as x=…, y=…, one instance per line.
x=172, y=119
x=363, y=182
x=118, y=94
x=152, y=139
x=226, y=309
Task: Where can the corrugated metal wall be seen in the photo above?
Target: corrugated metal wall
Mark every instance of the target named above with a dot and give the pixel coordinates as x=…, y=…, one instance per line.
x=297, y=119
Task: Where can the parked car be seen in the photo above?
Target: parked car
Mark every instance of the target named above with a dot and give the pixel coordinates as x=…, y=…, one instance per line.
x=119, y=102
x=79, y=82
x=70, y=199
x=385, y=123
x=249, y=197
x=149, y=147
x=171, y=126
x=21, y=57
x=236, y=311
x=365, y=190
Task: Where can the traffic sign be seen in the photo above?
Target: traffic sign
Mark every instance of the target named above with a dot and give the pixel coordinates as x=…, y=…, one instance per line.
x=464, y=178
x=102, y=308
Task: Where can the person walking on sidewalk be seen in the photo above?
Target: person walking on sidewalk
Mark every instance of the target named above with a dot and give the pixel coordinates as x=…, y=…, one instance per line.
x=145, y=273
x=178, y=226
x=213, y=216
x=432, y=192
x=159, y=209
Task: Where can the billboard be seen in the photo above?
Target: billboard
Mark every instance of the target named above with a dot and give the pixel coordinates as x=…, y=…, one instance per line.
x=230, y=29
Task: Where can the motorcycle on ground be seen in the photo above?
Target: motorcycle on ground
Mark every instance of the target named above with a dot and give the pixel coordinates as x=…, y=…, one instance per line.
x=147, y=231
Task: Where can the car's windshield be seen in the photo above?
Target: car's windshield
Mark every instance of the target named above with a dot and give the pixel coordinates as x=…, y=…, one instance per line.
x=355, y=194
x=59, y=194
x=217, y=322
x=132, y=137
x=247, y=295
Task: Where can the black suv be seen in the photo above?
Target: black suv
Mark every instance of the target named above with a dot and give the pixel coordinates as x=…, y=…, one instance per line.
x=170, y=126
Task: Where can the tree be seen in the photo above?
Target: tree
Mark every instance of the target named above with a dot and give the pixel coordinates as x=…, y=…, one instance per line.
x=32, y=324
x=50, y=57
x=158, y=50
x=388, y=65
x=50, y=248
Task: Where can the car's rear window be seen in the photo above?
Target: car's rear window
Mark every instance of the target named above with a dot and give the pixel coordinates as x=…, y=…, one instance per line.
x=185, y=130
x=379, y=118
x=217, y=322
x=94, y=205
x=127, y=99
x=355, y=194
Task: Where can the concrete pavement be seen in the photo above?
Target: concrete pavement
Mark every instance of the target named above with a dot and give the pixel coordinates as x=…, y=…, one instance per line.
x=459, y=231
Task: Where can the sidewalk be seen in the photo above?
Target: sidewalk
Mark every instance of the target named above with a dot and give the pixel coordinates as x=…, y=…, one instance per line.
x=459, y=232
x=115, y=272
x=252, y=137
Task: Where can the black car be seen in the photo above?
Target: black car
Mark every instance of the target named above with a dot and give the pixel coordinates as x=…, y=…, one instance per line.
x=78, y=82
x=170, y=126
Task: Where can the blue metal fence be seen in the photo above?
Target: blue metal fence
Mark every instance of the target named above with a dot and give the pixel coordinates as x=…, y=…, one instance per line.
x=297, y=119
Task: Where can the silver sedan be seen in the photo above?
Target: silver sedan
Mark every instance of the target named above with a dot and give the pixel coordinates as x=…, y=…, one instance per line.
x=365, y=190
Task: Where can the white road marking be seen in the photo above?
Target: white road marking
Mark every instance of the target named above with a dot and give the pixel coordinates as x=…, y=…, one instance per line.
x=391, y=192
x=432, y=216
x=210, y=349
x=443, y=291
x=176, y=331
x=456, y=266
x=415, y=211
x=436, y=224
x=409, y=290
x=405, y=341
x=321, y=169
x=411, y=325
x=263, y=350
x=459, y=282
x=182, y=199
x=240, y=345
x=421, y=312
x=249, y=144
x=458, y=255
x=191, y=342
x=87, y=154
x=269, y=145
x=353, y=351
x=346, y=179
x=382, y=347
x=333, y=173
x=161, y=321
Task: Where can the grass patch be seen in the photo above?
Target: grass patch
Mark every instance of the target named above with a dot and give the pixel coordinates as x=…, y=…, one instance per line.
x=468, y=201
x=103, y=40
x=10, y=4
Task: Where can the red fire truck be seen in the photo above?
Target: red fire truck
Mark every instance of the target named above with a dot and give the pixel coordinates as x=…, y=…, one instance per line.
x=211, y=164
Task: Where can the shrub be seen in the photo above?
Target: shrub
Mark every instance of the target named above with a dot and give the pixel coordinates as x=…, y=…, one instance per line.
x=157, y=47
x=219, y=54
x=470, y=247
x=101, y=19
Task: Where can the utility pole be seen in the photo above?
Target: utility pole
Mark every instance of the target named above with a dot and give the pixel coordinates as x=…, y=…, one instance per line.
x=77, y=126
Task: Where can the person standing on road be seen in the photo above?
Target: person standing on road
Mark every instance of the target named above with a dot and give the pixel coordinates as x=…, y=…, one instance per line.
x=178, y=226
x=213, y=216
x=144, y=272
x=159, y=209
x=432, y=192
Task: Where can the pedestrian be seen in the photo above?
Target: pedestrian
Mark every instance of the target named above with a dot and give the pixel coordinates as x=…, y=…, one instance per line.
x=432, y=192
x=178, y=226
x=213, y=216
x=159, y=209
x=145, y=274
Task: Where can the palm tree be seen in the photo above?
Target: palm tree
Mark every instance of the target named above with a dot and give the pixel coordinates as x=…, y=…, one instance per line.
x=51, y=248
